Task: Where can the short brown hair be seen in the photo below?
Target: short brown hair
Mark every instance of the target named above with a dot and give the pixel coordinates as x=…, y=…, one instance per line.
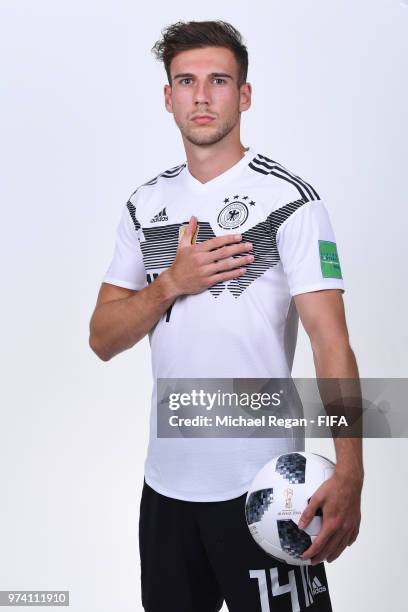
x=182, y=36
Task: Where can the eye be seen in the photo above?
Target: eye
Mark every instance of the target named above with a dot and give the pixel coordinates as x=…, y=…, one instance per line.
x=185, y=79
x=220, y=80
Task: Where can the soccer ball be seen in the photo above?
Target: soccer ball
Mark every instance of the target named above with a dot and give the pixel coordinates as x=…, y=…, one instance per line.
x=276, y=499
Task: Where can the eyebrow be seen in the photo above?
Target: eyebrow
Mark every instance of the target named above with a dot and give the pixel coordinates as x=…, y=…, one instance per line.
x=213, y=74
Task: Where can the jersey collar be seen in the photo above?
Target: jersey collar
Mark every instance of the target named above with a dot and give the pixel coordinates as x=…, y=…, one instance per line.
x=222, y=178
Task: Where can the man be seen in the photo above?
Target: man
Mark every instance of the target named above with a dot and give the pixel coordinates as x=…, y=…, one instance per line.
x=220, y=298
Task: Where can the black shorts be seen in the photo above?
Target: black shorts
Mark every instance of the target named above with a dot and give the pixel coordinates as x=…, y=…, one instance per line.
x=195, y=555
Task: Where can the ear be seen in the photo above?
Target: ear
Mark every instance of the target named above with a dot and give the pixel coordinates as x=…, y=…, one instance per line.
x=245, y=94
x=167, y=98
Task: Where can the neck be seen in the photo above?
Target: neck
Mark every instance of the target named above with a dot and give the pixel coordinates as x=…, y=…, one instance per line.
x=205, y=162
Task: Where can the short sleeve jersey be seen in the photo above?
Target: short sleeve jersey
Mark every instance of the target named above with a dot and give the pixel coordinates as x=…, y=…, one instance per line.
x=244, y=328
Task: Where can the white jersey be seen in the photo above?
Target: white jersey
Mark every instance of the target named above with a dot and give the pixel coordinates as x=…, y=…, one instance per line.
x=244, y=328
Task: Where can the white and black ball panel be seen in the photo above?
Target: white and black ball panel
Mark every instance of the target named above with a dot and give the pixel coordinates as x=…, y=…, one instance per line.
x=293, y=541
x=257, y=504
x=292, y=466
x=276, y=499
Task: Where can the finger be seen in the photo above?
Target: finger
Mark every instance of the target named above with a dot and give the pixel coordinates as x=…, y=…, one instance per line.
x=219, y=241
x=330, y=547
x=186, y=232
x=310, y=511
x=235, y=252
x=226, y=276
x=228, y=264
x=353, y=536
x=326, y=549
x=338, y=548
x=326, y=532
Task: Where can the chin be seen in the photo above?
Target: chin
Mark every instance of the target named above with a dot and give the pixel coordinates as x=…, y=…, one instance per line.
x=204, y=141
x=209, y=136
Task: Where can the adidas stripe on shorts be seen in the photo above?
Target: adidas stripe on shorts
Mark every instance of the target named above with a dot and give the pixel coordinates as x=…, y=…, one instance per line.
x=196, y=555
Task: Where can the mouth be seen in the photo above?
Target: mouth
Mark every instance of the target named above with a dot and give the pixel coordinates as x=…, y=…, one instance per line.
x=202, y=119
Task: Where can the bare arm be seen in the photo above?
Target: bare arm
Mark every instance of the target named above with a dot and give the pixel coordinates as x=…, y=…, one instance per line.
x=339, y=497
x=122, y=317
x=323, y=317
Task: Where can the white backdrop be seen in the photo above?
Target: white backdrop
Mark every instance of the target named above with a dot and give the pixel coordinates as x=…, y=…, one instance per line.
x=83, y=124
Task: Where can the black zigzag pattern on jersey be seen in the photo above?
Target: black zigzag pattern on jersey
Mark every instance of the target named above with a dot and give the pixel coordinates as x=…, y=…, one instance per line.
x=132, y=211
x=265, y=165
x=264, y=250
x=205, y=232
x=160, y=246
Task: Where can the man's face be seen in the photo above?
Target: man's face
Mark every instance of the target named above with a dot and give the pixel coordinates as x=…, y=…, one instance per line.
x=205, y=82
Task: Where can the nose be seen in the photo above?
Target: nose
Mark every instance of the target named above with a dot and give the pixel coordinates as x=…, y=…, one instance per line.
x=201, y=93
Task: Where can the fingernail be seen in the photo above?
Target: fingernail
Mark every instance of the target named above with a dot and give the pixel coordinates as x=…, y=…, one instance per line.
x=301, y=524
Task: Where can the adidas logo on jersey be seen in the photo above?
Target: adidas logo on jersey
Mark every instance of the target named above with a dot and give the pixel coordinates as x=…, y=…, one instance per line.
x=317, y=586
x=161, y=216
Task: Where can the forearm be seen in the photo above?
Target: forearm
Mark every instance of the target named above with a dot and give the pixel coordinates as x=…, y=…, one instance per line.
x=119, y=324
x=336, y=360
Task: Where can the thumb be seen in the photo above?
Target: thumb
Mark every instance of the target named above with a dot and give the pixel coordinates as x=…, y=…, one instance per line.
x=310, y=511
x=186, y=232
